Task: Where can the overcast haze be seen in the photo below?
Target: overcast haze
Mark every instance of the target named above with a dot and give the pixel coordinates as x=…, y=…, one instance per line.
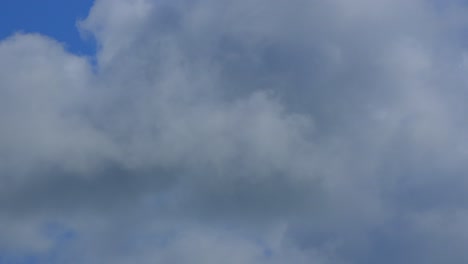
x=239, y=132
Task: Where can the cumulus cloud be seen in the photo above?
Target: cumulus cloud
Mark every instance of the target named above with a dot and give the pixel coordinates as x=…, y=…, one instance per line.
x=209, y=131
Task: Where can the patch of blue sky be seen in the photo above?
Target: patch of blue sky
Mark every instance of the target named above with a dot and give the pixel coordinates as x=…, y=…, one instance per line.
x=61, y=236
x=56, y=19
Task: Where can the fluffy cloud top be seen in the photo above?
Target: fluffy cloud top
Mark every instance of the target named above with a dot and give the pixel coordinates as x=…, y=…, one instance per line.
x=249, y=131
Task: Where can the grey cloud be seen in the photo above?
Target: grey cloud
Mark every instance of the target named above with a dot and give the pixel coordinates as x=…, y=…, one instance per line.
x=241, y=132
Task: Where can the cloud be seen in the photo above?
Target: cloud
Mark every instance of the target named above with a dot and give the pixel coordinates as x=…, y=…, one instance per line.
x=238, y=132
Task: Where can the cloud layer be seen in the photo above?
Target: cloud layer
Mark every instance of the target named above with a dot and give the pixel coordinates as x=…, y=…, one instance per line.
x=252, y=131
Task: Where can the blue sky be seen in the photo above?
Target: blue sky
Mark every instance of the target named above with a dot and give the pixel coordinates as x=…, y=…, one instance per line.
x=54, y=18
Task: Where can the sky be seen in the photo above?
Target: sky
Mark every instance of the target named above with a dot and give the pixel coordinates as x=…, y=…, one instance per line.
x=53, y=18
x=248, y=131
